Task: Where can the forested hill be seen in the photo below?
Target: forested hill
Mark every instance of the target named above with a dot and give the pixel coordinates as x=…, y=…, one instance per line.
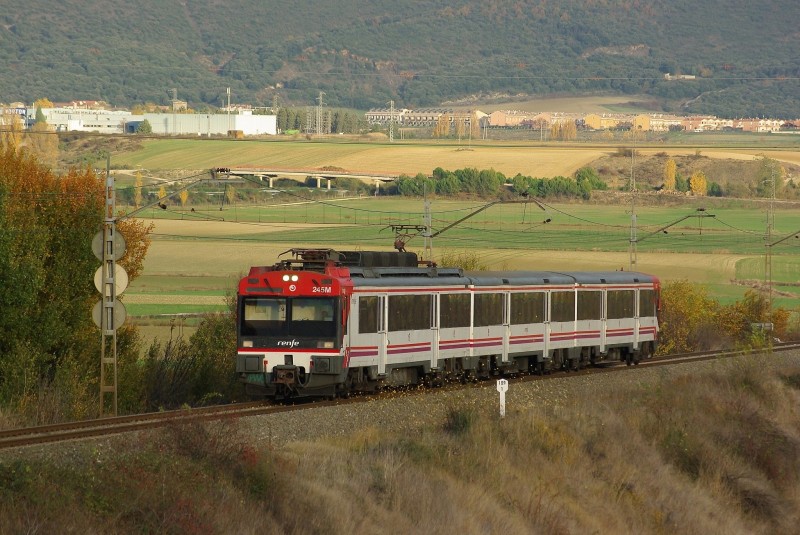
x=415, y=52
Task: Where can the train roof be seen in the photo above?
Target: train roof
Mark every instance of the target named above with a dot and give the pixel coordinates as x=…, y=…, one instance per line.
x=401, y=269
x=487, y=278
x=424, y=277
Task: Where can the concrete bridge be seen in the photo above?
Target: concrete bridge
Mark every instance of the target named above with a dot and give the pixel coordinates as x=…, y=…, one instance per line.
x=268, y=175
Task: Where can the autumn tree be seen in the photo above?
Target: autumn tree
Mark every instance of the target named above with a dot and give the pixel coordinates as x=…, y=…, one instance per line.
x=737, y=319
x=47, y=338
x=442, y=128
x=42, y=140
x=43, y=103
x=137, y=242
x=475, y=126
x=564, y=131
x=687, y=317
x=461, y=127
x=698, y=184
x=184, y=197
x=11, y=132
x=137, y=190
x=669, y=175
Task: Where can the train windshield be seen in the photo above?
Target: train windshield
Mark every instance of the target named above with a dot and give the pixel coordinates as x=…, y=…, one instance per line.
x=292, y=316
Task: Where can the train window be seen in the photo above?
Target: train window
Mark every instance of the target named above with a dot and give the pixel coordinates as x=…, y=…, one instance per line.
x=488, y=309
x=312, y=317
x=454, y=310
x=265, y=309
x=590, y=305
x=312, y=309
x=263, y=316
x=368, y=314
x=409, y=312
x=527, y=308
x=562, y=306
x=620, y=304
x=647, y=303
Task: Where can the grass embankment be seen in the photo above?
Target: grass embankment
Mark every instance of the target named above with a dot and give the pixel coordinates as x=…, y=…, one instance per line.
x=715, y=451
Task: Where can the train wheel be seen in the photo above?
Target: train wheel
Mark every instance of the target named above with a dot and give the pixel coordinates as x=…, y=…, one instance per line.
x=629, y=358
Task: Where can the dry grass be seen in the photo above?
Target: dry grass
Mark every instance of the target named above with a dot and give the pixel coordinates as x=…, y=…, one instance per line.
x=710, y=452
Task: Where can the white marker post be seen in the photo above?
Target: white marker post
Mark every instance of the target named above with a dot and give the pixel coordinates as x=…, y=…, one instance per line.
x=502, y=387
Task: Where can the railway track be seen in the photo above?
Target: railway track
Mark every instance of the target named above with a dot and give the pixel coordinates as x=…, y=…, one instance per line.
x=29, y=436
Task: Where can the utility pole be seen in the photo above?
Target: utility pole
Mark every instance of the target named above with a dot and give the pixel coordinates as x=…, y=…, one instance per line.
x=768, y=252
x=174, y=113
x=632, y=264
x=110, y=280
x=309, y=120
x=319, y=113
x=428, y=237
x=229, y=110
x=391, y=121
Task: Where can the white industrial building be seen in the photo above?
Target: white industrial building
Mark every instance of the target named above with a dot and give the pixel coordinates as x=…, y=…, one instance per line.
x=83, y=120
x=206, y=124
x=176, y=124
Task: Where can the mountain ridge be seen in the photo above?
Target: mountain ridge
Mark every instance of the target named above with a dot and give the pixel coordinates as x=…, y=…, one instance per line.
x=417, y=53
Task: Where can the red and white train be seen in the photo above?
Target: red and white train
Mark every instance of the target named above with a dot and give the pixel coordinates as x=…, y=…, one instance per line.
x=327, y=323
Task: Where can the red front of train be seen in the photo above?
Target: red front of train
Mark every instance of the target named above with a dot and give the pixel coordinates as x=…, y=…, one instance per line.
x=291, y=328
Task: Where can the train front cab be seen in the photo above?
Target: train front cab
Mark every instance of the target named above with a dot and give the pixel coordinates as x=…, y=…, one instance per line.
x=290, y=328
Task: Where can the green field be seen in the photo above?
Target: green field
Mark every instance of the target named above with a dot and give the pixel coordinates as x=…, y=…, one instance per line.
x=194, y=263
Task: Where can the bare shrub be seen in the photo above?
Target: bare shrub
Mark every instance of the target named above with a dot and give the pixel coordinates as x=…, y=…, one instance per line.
x=467, y=260
x=458, y=421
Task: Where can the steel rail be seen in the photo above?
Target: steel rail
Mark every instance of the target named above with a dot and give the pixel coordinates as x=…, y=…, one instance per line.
x=28, y=436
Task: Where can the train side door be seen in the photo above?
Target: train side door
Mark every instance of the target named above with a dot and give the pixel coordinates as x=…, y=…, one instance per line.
x=506, y=324
x=383, y=332
x=636, y=318
x=435, y=335
x=603, y=323
x=547, y=329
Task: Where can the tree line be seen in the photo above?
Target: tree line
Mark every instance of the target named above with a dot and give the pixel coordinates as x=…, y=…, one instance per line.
x=488, y=182
x=49, y=345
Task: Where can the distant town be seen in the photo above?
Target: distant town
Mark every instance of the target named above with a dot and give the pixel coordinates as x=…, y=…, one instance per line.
x=245, y=120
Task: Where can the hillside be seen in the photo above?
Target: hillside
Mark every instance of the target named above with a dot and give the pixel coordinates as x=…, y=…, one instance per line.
x=698, y=448
x=418, y=53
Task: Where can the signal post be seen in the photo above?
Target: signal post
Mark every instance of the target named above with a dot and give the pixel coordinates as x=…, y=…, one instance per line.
x=109, y=313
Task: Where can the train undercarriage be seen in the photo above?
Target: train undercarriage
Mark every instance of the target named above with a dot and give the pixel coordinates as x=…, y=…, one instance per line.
x=287, y=382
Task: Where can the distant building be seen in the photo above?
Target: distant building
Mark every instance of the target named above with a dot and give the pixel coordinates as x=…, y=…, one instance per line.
x=659, y=122
x=123, y=122
x=83, y=105
x=84, y=119
x=384, y=115
x=205, y=124
x=420, y=117
x=510, y=118
x=605, y=121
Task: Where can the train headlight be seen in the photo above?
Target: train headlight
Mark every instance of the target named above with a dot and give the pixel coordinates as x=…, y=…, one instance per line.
x=286, y=278
x=322, y=365
x=247, y=343
x=295, y=278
